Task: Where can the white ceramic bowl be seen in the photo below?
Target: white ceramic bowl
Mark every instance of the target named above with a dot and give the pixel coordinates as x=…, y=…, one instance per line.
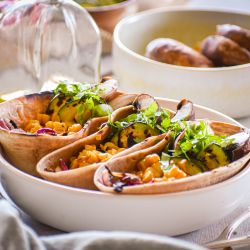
x=226, y=89
x=72, y=209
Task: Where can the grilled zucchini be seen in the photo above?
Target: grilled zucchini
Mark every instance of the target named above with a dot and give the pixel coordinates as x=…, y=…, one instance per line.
x=101, y=110
x=213, y=156
x=68, y=112
x=55, y=105
x=134, y=134
x=187, y=166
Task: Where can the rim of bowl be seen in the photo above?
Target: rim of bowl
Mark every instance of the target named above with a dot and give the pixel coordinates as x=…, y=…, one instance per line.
x=80, y=191
x=109, y=7
x=152, y=12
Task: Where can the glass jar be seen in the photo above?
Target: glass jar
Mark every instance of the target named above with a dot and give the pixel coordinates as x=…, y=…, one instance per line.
x=43, y=40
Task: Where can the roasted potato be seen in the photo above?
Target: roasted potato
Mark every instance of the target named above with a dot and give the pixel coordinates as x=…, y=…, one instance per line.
x=170, y=51
x=239, y=35
x=224, y=52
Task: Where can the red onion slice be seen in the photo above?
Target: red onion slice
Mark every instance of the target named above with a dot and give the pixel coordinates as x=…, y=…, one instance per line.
x=48, y=131
x=63, y=165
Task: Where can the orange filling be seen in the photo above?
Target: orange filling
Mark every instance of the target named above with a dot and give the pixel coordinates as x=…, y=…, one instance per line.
x=44, y=121
x=149, y=169
x=91, y=154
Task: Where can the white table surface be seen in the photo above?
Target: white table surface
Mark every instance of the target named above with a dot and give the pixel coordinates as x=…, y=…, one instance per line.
x=212, y=231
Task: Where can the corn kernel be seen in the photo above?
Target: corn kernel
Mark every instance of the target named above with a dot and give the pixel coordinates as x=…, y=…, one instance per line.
x=183, y=164
x=175, y=172
x=75, y=128
x=148, y=161
x=157, y=167
x=43, y=118
x=33, y=126
x=92, y=157
x=58, y=127
x=104, y=156
x=74, y=164
x=147, y=176
x=90, y=147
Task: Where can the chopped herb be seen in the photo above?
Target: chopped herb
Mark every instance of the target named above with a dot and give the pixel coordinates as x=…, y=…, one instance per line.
x=87, y=98
x=77, y=90
x=153, y=107
x=165, y=162
x=197, y=138
x=71, y=88
x=150, y=116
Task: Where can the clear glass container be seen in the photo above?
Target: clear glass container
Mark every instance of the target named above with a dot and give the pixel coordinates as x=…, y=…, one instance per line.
x=42, y=40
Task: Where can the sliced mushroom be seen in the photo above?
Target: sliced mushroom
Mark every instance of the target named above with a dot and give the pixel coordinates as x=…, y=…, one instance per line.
x=185, y=111
x=240, y=145
x=143, y=101
x=109, y=88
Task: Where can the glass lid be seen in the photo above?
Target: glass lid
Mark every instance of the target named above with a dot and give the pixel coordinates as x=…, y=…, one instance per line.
x=41, y=40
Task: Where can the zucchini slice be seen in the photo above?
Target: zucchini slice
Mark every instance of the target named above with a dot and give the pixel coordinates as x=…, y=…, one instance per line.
x=115, y=138
x=134, y=134
x=55, y=105
x=68, y=112
x=101, y=110
x=79, y=111
x=187, y=166
x=214, y=156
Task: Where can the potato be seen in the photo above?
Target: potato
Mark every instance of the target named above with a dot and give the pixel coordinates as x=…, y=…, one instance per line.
x=235, y=33
x=170, y=51
x=224, y=52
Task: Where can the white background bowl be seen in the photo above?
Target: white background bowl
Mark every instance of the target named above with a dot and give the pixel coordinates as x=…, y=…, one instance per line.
x=226, y=89
x=72, y=209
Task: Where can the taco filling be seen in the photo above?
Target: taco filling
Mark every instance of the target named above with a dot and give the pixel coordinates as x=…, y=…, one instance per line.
x=147, y=119
x=67, y=113
x=139, y=125
x=89, y=155
x=193, y=149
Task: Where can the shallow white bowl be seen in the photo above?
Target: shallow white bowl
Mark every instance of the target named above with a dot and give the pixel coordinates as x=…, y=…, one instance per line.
x=72, y=209
x=226, y=89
